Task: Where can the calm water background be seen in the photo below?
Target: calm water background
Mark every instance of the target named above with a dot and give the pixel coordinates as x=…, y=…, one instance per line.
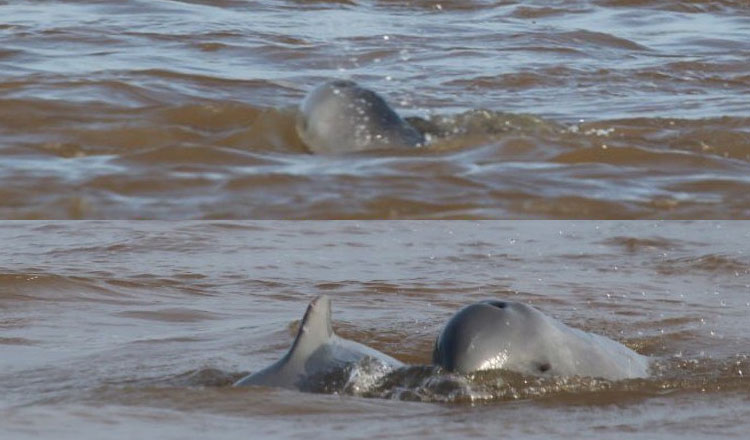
x=118, y=330
x=555, y=109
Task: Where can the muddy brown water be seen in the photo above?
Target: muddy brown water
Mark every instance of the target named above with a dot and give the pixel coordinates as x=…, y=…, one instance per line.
x=185, y=109
x=177, y=110
x=123, y=329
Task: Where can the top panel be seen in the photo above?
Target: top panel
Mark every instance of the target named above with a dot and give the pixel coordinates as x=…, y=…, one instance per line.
x=455, y=109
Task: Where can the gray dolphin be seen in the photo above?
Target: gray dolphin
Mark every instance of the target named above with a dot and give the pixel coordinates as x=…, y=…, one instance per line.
x=317, y=353
x=505, y=335
x=340, y=116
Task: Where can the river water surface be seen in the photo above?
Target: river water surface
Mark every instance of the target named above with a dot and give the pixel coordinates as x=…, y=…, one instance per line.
x=548, y=109
x=121, y=330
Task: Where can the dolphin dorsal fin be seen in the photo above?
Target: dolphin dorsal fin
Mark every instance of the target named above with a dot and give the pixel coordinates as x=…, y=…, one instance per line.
x=315, y=328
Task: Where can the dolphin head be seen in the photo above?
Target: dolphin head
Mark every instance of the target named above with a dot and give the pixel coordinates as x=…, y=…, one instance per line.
x=340, y=116
x=497, y=335
x=505, y=335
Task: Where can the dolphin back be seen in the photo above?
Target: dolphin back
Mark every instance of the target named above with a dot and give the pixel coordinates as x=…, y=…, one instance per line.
x=317, y=353
x=314, y=332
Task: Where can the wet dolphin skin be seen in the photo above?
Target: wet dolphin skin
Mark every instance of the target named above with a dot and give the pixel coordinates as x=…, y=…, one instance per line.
x=513, y=336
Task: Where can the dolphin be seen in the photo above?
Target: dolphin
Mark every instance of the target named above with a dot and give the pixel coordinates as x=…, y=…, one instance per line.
x=493, y=335
x=317, y=354
x=340, y=116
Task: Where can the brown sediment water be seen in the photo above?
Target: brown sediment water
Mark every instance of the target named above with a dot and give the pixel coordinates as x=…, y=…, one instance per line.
x=120, y=329
x=186, y=109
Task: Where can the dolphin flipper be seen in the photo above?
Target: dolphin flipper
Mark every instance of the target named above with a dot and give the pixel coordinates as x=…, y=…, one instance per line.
x=316, y=351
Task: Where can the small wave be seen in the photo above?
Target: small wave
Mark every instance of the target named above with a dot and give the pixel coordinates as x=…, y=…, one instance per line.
x=546, y=11
x=17, y=288
x=712, y=263
x=202, y=377
x=697, y=6
x=637, y=244
x=599, y=39
x=430, y=384
x=170, y=315
x=16, y=341
x=433, y=385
